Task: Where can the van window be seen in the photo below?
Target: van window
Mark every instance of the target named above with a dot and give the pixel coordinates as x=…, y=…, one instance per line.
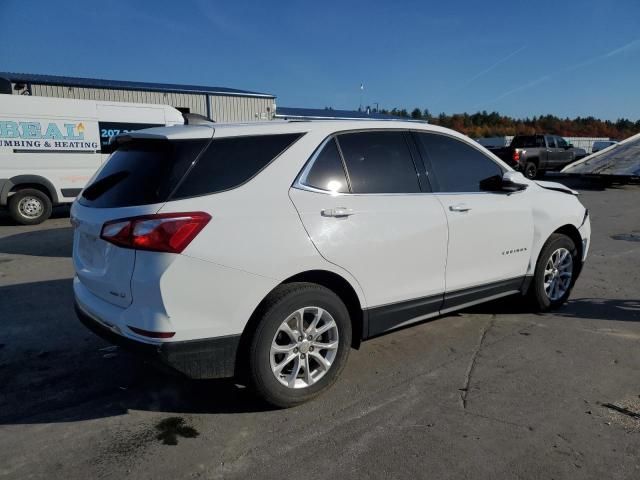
x=141, y=172
x=111, y=129
x=379, y=162
x=229, y=162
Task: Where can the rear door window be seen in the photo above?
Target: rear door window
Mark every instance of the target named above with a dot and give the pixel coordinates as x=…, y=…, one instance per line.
x=528, y=141
x=458, y=167
x=327, y=171
x=229, y=162
x=551, y=142
x=141, y=172
x=379, y=162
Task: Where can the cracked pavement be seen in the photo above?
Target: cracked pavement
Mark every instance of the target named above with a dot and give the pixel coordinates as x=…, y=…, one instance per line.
x=491, y=392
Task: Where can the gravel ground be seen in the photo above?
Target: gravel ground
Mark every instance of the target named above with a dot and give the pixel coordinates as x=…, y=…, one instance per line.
x=492, y=392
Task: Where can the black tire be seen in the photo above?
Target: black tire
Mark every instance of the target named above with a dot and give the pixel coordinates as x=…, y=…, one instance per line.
x=537, y=294
x=280, y=304
x=40, y=206
x=531, y=170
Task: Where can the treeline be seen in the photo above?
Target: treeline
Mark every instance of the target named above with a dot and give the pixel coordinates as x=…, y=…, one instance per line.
x=484, y=124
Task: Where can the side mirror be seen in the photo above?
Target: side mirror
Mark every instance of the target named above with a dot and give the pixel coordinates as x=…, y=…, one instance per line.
x=514, y=181
x=509, y=182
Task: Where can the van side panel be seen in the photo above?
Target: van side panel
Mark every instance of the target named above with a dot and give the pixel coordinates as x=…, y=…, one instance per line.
x=56, y=143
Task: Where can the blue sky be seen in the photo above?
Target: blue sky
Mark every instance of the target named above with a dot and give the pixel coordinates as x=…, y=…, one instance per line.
x=524, y=58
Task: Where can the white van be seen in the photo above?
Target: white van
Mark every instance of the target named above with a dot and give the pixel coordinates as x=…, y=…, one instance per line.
x=50, y=147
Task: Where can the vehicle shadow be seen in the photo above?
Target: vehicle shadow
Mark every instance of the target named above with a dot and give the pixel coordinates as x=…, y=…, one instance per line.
x=53, y=369
x=585, y=308
x=53, y=242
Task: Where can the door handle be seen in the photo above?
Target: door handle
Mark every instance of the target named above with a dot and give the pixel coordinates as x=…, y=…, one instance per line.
x=337, y=212
x=461, y=207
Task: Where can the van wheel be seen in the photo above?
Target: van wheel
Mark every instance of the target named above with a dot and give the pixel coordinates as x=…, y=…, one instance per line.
x=555, y=273
x=300, y=345
x=531, y=170
x=29, y=206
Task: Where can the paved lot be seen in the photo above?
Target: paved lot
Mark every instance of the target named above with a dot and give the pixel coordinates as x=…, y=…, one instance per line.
x=493, y=392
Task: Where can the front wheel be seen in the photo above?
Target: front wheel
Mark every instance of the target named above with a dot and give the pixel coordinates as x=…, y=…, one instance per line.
x=29, y=206
x=300, y=345
x=555, y=273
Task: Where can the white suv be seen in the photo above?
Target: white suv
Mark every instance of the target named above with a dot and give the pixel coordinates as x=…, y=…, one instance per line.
x=266, y=251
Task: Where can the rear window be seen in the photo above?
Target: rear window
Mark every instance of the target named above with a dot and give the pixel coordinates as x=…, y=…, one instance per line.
x=154, y=171
x=527, y=141
x=229, y=162
x=141, y=172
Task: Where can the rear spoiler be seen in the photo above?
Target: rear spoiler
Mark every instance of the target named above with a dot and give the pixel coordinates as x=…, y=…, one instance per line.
x=196, y=119
x=202, y=129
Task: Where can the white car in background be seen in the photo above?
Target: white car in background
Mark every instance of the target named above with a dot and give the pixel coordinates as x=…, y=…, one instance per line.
x=266, y=251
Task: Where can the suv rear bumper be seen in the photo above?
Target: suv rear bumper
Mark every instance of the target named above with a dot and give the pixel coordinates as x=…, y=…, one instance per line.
x=199, y=359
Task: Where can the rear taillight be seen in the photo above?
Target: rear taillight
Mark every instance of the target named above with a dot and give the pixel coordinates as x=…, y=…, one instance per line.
x=162, y=232
x=516, y=156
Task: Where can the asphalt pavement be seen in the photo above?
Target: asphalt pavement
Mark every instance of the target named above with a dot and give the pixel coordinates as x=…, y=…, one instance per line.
x=492, y=392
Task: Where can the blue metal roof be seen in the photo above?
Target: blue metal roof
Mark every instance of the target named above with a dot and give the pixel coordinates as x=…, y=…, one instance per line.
x=125, y=85
x=294, y=113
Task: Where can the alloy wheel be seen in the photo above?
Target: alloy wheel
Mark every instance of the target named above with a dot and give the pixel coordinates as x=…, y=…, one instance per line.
x=558, y=273
x=304, y=347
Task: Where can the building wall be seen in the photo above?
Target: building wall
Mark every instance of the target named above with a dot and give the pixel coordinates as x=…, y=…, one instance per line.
x=224, y=108
x=241, y=109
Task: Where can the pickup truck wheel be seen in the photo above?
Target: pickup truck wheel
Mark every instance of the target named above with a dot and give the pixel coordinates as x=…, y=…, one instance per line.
x=29, y=206
x=555, y=273
x=531, y=170
x=300, y=344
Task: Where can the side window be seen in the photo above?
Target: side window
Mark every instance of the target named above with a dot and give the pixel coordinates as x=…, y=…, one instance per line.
x=539, y=142
x=229, y=162
x=379, y=162
x=551, y=142
x=327, y=171
x=458, y=167
x=562, y=143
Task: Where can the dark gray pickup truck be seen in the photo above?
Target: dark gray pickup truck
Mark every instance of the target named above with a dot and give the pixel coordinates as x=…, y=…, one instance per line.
x=535, y=154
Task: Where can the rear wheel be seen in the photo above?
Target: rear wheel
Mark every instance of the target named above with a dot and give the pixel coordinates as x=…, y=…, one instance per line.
x=555, y=273
x=29, y=206
x=300, y=345
x=531, y=170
